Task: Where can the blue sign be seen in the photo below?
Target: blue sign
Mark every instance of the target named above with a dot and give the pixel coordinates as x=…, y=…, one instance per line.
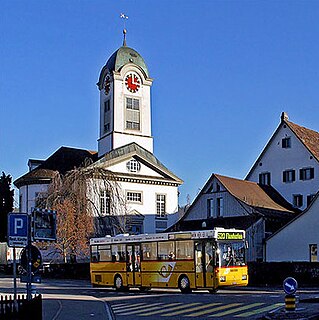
x=17, y=229
x=290, y=285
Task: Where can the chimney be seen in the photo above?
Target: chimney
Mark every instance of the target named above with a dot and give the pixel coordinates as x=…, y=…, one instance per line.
x=284, y=116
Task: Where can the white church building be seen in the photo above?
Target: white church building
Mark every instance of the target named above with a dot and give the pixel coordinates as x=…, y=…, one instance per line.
x=125, y=147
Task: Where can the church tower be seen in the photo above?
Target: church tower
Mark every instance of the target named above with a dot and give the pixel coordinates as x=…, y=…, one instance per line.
x=125, y=101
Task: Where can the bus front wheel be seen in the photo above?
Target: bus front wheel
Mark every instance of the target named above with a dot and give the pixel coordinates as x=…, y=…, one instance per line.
x=184, y=284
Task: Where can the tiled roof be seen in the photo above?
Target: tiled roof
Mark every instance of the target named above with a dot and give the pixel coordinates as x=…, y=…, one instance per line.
x=63, y=160
x=242, y=222
x=265, y=200
x=308, y=137
x=253, y=194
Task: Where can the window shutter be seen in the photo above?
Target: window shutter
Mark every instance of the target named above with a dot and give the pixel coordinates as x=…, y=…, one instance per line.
x=293, y=175
x=268, y=181
x=260, y=178
x=284, y=176
x=312, y=173
x=301, y=174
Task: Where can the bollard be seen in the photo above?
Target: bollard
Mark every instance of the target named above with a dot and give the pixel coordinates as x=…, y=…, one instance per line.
x=290, y=302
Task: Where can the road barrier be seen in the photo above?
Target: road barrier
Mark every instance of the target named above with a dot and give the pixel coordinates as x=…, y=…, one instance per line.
x=290, y=302
x=21, y=309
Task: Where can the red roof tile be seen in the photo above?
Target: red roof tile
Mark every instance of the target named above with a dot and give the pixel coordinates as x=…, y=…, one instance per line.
x=308, y=137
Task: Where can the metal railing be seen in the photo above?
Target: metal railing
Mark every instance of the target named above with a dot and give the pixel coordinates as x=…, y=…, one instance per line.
x=21, y=309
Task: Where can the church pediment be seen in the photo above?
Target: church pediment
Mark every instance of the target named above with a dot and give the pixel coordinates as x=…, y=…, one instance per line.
x=134, y=162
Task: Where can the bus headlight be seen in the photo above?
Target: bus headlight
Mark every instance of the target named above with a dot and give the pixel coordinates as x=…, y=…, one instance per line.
x=222, y=279
x=244, y=277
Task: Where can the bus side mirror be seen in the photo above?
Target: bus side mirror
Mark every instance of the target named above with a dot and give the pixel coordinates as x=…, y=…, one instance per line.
x=246, y=244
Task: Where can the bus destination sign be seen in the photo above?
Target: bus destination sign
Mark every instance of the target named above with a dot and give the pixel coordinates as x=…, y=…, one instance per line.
x=230, y=236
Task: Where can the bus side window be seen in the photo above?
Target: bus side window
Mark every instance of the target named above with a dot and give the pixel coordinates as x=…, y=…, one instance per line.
x=149, y=251
x=166, y=250
x=184, y=249
x=94, y=254
x=137, y=261
x=198, y=257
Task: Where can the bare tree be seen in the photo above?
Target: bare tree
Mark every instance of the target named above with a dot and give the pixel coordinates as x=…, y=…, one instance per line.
x=76, y=198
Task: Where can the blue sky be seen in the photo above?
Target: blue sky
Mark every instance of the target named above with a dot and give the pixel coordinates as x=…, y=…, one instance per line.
x=223, y=73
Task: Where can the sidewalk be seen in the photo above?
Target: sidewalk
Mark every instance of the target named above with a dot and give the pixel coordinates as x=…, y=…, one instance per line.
x=307, y=308
x=69, y=307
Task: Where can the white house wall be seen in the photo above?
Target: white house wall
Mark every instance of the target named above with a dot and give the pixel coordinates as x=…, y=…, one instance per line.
x=292, y=242
x=277, y=159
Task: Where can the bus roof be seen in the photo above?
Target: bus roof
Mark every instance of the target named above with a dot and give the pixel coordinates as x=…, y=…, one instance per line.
x=182, y=235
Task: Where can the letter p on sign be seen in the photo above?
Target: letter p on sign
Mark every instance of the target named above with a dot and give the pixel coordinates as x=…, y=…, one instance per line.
x=18, y=224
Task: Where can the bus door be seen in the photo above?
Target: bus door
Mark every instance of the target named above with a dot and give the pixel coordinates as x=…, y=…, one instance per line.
x=199, y=264
x=210, y=264
x=133, y=264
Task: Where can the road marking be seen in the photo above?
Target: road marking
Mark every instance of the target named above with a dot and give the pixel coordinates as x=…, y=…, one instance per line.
x=160, y=306
x=133, y=306
x=170, y=309
x=190, y=310
x=121, y=304
x=59, y=311
x=256, y=311
x=212, y=310
x=249, y=306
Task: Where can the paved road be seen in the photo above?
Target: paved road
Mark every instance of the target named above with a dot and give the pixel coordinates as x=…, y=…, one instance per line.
x=76, y=299
x=227, y=304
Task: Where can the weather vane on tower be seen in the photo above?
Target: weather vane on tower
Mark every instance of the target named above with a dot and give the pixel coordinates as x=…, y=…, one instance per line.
x=124, y=17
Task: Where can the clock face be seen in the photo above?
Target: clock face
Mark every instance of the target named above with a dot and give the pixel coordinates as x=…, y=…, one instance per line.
x=107, y=84
x=132, y=82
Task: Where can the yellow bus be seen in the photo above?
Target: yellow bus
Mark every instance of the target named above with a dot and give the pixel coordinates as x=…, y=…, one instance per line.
x=205, y=259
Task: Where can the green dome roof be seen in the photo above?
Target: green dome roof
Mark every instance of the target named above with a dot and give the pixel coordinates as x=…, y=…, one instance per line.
x=123, y=56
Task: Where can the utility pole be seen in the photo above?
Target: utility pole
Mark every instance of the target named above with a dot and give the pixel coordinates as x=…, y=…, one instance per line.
x=29, y=261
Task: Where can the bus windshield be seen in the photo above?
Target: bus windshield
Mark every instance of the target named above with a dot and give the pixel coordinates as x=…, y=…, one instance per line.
x=232, y=253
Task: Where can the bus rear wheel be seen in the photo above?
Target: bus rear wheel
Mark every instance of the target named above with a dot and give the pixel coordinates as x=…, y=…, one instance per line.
x=118, y=283
x=184, y=284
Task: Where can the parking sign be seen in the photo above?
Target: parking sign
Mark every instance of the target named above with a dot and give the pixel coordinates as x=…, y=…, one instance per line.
x=17, y=229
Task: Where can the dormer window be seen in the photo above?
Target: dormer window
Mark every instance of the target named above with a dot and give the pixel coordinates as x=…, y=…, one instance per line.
x=286, y=143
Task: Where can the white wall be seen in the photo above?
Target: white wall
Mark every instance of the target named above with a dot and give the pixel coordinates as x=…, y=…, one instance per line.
x=292, y=242
x=277, y=159
x=121, y=136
